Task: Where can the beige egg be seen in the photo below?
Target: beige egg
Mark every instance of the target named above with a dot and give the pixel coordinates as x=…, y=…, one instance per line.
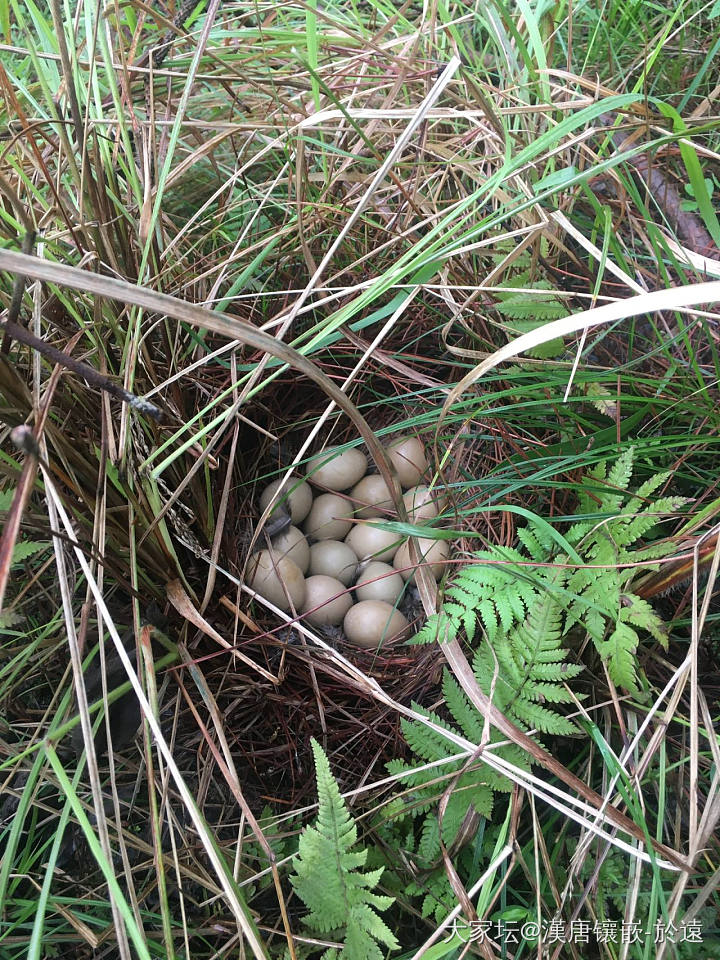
x=371, y=497
x=370, y=542
x=329, y=517
x=267, y=578
x=379, y=581
x=332, y=558
x=337, y=470
x=296, y=497
x=409, y=460
x=293, y=543
x=326, y=601
x=421, y=503
x=433, y=553
x=372, y=622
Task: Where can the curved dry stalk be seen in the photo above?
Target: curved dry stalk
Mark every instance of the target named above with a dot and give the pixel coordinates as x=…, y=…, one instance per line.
x=226, y=326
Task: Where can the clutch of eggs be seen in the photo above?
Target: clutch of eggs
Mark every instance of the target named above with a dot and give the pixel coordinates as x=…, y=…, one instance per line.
x=341, y=567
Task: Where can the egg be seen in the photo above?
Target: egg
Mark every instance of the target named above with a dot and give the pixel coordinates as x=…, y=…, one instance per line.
x=332, y=558
x=421, y=503
x=266, y=575
x=373, y=622
x=329, y=517
x=293, y=543
x=432, y=553
x=379, y=581
x=371, y=497
x=296, y=497
x=326, y=601
x=370, y=542
x=408, y=458
x=337, y=469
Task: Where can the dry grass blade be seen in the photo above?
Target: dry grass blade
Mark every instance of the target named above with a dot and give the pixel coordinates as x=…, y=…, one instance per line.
x=239, y=908
x=11, y=526
x=420, y=198
x=208, y=320
x=671, y=299
x=182, y=603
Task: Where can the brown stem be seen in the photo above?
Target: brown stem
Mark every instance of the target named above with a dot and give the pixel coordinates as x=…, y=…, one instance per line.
x=89, y=374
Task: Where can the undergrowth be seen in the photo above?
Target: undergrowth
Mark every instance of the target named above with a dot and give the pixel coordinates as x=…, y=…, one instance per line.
x=340, y=897
x=523, y=611
x=526, y=598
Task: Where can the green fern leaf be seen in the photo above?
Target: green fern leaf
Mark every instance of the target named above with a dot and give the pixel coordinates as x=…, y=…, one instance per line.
x=25, y=549
x=437, y=894
x=429, y=846
x=516, y=686
x=439, y=628
x=639, y=613
x=426, y=743
x=495, y=593
x=327, y=877
x=519, y=278
x=524, y=612
x=470, y=721
x=538, y=717
x=619, y=653
x=555, y=672
x=646, y=489
x=362, y=925
x=537, y=548
x=602, y=399
x=469, y=794
x=622, y=469
x=628, y=530
x=531, y=308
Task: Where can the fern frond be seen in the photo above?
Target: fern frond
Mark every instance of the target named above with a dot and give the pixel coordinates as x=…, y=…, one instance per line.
x=496, y=593
x=538, y=548
x=618, y=651
x=327, y=877
x=524, y=612
x=646, y=489
x=538, y=717
x=441, y=627
x=468, y=718
x=638, y=612
x=602, y=399
x=579, y=531
x=437, y=894
x=520, y=277
x=621, y=472
x=627, y=530
x=26, y=548
x=425, y=742
x=362, y=925
x=519, y=686
x=429, y=845
x=530, y=308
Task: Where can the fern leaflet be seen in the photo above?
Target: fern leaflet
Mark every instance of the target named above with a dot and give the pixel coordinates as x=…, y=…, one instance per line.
x=328, y=878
